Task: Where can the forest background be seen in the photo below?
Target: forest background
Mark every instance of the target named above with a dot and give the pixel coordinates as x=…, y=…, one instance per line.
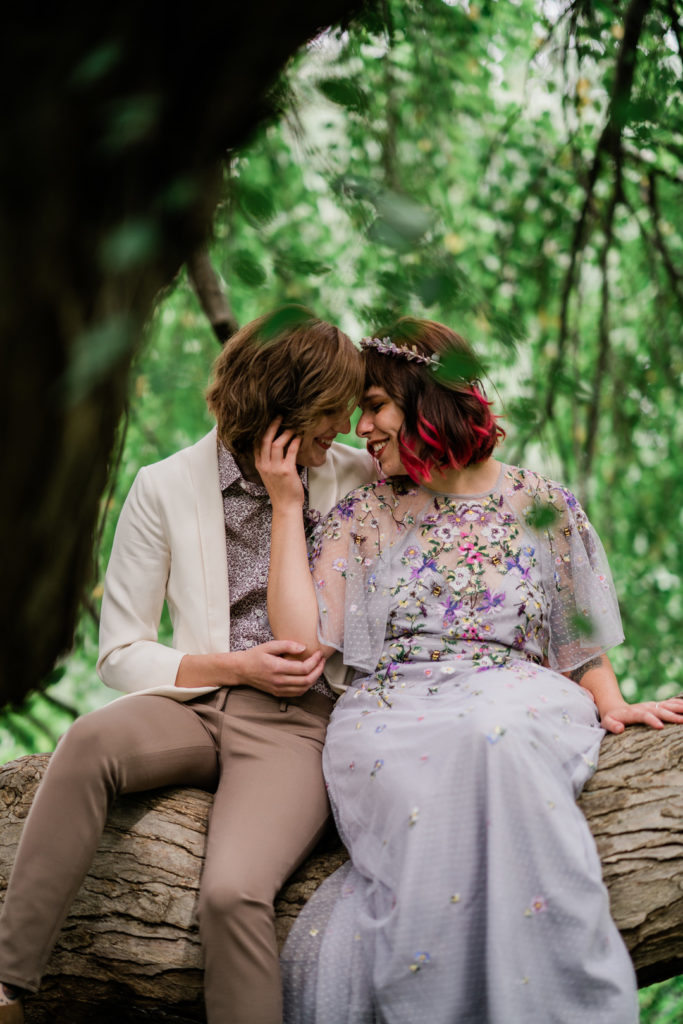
x=513, y=169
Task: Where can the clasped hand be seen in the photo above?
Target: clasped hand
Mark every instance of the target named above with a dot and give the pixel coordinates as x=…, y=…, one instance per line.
x=273, y=668
x=275, y=459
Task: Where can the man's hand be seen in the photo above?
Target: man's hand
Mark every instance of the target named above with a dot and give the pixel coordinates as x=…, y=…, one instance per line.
x=272, y=667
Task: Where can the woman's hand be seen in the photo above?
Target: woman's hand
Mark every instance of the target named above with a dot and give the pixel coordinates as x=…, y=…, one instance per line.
x=276, y=667
x=275, y=460
x=652, y=713
x=268, y=667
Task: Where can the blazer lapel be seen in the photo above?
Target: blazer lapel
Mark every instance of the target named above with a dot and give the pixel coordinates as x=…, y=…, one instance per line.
x=322, y=487
x=203, y=462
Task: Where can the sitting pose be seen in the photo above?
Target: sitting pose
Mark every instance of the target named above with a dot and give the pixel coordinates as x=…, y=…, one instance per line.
x=227, y=707
x=475, y=603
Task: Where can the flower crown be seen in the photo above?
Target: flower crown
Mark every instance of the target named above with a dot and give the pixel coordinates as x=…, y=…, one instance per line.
x=388, y=348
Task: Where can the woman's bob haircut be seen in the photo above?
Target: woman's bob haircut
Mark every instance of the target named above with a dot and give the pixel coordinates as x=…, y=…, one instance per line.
x=448, y=420
x=286, y=363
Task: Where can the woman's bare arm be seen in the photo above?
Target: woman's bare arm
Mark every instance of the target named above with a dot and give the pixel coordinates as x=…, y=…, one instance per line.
x=597, y=676
x=292, y=604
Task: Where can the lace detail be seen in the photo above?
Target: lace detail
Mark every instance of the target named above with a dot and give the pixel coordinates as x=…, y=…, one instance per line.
x=517, y=571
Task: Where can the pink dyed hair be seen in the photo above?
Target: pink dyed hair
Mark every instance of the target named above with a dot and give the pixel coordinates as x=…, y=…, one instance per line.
x=448, y=422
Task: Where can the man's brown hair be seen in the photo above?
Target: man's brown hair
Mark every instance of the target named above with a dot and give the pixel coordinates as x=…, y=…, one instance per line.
x=287, y=363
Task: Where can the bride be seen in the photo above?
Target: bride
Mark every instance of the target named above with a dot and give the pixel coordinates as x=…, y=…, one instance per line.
x=475, y=603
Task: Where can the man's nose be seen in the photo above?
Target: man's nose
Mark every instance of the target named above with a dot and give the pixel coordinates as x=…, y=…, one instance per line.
x=343, y=423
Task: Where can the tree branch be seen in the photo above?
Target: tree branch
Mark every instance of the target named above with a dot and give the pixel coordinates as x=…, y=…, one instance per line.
x=593, y=414
x=211, y=294
x=609, y=144
x=675, y=276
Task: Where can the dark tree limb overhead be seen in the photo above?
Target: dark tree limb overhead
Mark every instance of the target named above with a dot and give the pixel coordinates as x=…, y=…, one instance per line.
x=114, y=123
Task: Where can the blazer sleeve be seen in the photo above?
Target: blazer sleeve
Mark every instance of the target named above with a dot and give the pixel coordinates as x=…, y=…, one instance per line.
x=130, y=656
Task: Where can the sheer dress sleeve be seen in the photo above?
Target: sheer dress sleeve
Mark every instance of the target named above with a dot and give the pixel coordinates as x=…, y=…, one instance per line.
x=349, y=573
x=584, y=611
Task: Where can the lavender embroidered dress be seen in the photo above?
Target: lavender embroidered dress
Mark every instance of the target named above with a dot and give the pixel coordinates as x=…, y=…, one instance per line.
x=474, y=891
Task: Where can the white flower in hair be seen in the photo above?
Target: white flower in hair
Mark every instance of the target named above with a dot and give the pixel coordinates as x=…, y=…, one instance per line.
x=388, y=348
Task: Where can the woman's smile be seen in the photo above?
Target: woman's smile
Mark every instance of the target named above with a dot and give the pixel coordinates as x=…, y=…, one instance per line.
x=380, y=425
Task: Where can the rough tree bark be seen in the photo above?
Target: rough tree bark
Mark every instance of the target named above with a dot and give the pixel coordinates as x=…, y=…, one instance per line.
x=130, y=947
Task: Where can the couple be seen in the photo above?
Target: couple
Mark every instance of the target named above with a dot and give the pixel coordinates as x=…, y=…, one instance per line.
x=451, y=602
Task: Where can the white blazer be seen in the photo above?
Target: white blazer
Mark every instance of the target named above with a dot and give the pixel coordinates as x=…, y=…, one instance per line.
x=170, y=545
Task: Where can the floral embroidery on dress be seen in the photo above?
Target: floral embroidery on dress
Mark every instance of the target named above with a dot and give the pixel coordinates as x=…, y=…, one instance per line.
x=444, y=756
x=487, y=581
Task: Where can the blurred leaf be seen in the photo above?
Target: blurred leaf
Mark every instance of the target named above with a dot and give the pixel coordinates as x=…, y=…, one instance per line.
x=508, y=329
x=459, y=367
x=583, y=625
x=541, y=515
x=286, y=318
x=129, y=245
x=131, y=120
x=437, y=287
x=302, y=265
x=247, y=268
x=97, y=64
x=345, y=92
x=55, y=675
x=524, y=411
x=383, y=233
x=93, y=354
x=257, y=203
x=401, y=222
x=180, y=194
x=644, y=108
x=569, y=384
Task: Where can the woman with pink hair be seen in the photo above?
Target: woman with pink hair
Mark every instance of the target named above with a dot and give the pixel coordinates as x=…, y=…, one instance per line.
x=475, y=603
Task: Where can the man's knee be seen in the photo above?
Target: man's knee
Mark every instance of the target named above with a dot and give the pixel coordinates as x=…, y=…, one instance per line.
x=95, y=743
x=84, y=739
x=233, y=901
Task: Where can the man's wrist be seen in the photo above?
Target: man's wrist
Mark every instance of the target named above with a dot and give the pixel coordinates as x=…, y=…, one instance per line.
x=220, y=669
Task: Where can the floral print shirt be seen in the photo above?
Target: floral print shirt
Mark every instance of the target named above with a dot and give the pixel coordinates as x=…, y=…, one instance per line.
x=248, y=514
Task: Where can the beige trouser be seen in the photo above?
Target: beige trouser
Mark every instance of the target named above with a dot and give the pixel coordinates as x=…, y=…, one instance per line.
x=260, y=754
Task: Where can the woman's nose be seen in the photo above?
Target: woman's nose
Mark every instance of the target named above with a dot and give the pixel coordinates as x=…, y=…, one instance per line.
x=364, y=425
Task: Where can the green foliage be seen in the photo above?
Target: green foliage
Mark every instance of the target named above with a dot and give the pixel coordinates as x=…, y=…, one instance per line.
x=662, y=1003
x=439, y=164
x=488, y=167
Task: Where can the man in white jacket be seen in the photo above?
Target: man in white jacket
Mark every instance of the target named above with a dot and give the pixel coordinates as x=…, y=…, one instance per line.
x=226, y=707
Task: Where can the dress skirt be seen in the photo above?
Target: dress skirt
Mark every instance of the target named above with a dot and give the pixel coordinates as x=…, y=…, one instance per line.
x=474, y=894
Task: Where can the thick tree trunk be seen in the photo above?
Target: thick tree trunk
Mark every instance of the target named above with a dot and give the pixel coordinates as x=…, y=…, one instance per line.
x=114, y=123
x=129, y=951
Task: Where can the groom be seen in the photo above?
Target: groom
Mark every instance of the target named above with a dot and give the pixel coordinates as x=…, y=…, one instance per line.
x=225, y=707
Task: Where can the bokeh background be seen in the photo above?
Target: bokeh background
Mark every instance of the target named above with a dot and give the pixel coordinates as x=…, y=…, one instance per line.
x=513, y=169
